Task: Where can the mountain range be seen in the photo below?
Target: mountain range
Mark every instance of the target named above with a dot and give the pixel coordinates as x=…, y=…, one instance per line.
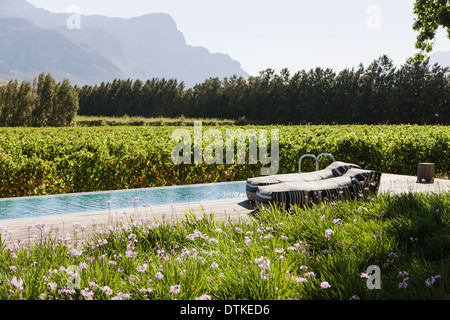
x=101, y=49
x=34, y=40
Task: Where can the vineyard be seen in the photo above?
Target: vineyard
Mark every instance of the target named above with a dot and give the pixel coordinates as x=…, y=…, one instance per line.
x=42, y=161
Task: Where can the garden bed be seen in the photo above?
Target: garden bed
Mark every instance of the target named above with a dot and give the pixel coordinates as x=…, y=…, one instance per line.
x=323, y=252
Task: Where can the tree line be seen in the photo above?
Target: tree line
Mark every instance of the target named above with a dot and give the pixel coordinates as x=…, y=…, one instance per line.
x=45, y=103
x=415, y=93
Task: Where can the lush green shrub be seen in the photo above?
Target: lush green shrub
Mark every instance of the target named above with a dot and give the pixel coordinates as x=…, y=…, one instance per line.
x=38, y=161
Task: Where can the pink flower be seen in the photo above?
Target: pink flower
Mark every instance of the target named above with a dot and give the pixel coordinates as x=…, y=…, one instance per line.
x=301, y=280
x=89, y=295
x=40, y=226
x=142, y=268
x=83, y=265
x=121, y=296
x=52, y=286
x=402, y=284
x=18, y=283
x=66, y=291
x=175, y=289
x=263, y=263
x=159, y=275
x=76, y=252
x=107, y=290
x=204, y=297
x=325, y=285
x=214, y=265
x=430, y=281
x=328, y=233
x=130, y=254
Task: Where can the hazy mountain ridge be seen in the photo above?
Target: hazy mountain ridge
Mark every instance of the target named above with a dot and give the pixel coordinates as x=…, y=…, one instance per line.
x=103, y=49
x=27, y=50
x=441, y=57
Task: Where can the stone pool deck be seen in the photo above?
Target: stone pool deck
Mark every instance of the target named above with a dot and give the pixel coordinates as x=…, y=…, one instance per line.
x=222, y=209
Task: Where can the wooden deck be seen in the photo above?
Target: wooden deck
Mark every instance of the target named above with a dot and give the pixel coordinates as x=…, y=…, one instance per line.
x=24, y=230
x=396, y=184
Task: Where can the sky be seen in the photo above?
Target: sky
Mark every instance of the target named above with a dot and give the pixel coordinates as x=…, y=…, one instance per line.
x=277, y=34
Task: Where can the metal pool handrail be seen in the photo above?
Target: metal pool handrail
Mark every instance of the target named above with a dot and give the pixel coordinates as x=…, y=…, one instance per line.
x=326, y=154
x=307, y=156
x=316, y=158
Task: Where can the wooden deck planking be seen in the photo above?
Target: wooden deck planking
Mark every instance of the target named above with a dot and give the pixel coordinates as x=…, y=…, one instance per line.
x=395, y=184
x=22, y=229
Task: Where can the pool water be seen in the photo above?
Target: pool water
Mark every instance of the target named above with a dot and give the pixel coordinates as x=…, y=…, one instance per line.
x=31, y=207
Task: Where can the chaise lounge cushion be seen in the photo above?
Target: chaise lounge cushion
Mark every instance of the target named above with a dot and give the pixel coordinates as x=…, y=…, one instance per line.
x=336, y=169
x=354, y=183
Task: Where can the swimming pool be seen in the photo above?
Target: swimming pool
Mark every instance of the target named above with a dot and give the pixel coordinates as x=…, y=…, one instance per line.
x=31, y=207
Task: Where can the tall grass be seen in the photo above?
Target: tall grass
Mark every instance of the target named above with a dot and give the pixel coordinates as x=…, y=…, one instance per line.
x=321, y=252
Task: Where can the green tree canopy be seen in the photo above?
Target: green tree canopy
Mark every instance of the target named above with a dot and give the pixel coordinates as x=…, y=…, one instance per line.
x=45, y=103
x=431, y=14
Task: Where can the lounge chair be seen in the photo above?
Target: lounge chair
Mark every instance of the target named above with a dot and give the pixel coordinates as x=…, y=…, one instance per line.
x=353, y=183
x=335, y=169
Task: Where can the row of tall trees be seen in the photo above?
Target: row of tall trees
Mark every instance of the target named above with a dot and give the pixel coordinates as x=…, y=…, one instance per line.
x=380, y=93
x=45, y=103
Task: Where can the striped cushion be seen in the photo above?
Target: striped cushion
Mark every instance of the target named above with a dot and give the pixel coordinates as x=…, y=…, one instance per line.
x=336, y=169
x=353, y=184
